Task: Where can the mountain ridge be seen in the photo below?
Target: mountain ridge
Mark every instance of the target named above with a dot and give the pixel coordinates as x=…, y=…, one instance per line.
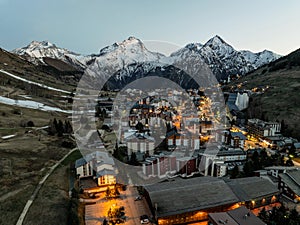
x=35, y=51
x=224, y=60
x=221, y=57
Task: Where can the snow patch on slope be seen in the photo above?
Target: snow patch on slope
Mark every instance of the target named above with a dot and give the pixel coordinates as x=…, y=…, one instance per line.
x=34, y=83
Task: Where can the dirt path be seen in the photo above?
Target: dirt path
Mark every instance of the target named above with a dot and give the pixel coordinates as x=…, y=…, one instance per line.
x=38, y=187
x=12, y=193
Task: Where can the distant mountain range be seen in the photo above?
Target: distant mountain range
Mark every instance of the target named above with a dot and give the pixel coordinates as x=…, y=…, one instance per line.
x=221, y=57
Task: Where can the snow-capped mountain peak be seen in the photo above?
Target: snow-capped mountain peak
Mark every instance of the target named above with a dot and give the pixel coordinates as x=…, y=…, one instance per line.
x=131, y=40
x=131, y=44
x=216, y=40
x=185, y=51
x=224, y=60
x=219, y=46
x=120, y=55
x=194, y=46
x=36, y=51
x=221, y=57
x=261, y=58
x=40, y=44
x=41, y=49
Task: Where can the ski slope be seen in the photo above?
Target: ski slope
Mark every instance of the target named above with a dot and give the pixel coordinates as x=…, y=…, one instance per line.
x=31, y=105
x=34, y=83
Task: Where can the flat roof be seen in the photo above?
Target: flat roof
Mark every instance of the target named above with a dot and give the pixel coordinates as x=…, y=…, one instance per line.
x=236, y=217
x=188, y=195
x=249, y=188
x=221, y=218
x=195, y=194
x=231, y=152
x=280, y=168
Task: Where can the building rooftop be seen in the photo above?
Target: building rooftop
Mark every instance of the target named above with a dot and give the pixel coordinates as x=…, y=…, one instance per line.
x=280, y=168
x=274, y=138
x=239, y=216
x=80, y=162
x=139, y=136
x=232, y=106
x=239, y=135
x=230, y=152
x=261, y=123
x=221, y=151
x=105, y=172
x=99, y=157
x=292, y=179
x=180, y=196
x=297, y=145
x=232, y=97
x=249, y=188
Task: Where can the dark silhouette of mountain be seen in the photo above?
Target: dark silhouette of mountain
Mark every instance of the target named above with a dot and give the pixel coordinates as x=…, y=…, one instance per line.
x=279, y=82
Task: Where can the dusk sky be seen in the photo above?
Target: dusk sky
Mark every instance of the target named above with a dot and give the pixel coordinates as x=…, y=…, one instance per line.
x=86, y=26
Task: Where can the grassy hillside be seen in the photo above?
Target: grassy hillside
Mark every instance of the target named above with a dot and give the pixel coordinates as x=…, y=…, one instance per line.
x=55, y=73
x=279, y=97
x=29, y=152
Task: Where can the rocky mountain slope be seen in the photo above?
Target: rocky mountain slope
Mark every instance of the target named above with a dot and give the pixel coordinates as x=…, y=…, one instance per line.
x=221, y=57
x=224, y=60
x=36, y=52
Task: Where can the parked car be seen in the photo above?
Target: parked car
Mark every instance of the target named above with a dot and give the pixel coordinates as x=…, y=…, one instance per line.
x=138, y=198
x=144, y=219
